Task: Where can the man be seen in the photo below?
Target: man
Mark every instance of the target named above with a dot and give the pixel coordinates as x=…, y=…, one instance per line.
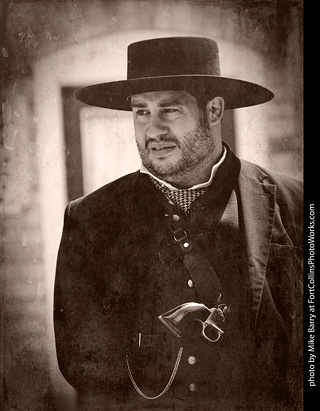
x=178, y=287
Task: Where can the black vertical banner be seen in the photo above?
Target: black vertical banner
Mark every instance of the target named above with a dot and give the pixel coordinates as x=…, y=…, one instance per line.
x=311, y=285
x=311, y=336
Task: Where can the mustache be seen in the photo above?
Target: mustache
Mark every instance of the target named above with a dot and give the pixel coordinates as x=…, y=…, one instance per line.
x=162, y=140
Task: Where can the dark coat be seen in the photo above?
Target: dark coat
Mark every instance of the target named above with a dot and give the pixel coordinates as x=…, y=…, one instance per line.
x=110, y=284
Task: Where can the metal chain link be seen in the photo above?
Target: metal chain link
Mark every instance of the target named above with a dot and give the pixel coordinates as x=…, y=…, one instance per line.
x=174, y=372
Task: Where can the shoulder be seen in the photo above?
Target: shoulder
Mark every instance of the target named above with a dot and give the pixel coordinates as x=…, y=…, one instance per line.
x=111, y=196
x=288, y=193
x=287, y=187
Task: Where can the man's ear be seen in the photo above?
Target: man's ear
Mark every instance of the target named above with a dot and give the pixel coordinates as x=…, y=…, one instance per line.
x=215, y=110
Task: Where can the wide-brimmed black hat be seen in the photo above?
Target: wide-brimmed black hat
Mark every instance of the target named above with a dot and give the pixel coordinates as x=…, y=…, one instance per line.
x=174, y=63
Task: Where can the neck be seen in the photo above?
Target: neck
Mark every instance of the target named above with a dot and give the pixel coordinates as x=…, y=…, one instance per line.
x=199, y=174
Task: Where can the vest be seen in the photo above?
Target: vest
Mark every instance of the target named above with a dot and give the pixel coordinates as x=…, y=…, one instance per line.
x=209, y=375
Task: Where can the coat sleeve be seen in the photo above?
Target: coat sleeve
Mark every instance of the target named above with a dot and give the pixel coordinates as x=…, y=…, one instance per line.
x=85, y=342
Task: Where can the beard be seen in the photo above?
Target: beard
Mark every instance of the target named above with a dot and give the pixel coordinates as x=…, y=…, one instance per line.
x=195, y=146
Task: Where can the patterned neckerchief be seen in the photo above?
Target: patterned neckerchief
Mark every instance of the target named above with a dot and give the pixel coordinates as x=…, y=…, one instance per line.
x=182, y=197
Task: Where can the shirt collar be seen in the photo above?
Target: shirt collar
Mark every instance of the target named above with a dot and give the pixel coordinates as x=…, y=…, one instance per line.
x=143, y=169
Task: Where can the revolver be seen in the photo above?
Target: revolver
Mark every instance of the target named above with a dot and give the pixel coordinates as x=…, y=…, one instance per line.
x=173, y=319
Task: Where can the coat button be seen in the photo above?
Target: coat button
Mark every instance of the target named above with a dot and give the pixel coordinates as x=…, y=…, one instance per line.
x=190, y=283
x=175, y=217
x=106, y=303
x=192, y=360
x=192, y=387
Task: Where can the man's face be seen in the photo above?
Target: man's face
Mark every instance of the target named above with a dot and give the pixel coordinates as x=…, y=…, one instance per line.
x=171, y=133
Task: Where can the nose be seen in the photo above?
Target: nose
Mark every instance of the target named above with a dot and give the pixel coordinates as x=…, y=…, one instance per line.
x=156, y=128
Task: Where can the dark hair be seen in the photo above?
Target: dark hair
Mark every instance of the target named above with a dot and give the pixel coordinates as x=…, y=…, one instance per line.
x=202, y=95
x=202, y=99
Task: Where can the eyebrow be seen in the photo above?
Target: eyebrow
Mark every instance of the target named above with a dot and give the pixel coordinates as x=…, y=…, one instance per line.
x=138, y=105
x=164, y=103
x=170, y=102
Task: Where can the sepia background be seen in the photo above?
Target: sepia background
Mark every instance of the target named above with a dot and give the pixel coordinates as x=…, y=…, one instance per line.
x=53, y=148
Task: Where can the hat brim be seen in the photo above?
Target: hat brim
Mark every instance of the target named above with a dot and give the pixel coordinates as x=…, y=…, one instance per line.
x=114, y=95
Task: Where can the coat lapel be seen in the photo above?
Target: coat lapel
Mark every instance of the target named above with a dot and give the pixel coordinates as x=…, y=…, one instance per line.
x=258, y=210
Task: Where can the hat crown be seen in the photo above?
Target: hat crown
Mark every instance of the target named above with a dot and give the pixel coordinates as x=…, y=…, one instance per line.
x=174, y=63
x=173, y=56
